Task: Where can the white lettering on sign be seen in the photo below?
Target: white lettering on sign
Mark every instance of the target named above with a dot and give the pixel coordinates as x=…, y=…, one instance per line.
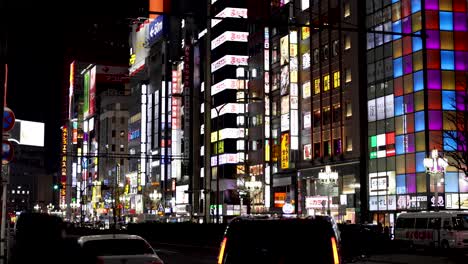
x=229, y=36
x=224, y=85
x=229, y=60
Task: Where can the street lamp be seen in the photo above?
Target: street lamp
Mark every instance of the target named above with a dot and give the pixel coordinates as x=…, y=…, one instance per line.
x=436, y=167
x=50, y=207
x=328, y=178
x=37, y=207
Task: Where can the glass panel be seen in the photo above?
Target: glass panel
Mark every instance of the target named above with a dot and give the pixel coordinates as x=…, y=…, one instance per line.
x=420, y=162
x=420, y=141
x=446, y=20
x=448, y=80
x=411, y=183
x=433, y=79
x=408, y=80
x=432, y=20
x=447, y=60
x=397, y=49
x=451, y=181
x=446, y=40
x=397, y=67
x=433, y=39
x=448, y=100
x=434, y=100
x=400, y=164
x=421, y=182
x=417, y=61
x=419, y=124
x=419, y=101
x=436, y=120
x=416, y=22
x=433, y=59
x=401, y=184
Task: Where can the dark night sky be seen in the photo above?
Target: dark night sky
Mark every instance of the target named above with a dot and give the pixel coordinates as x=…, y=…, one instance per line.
x=43, y=38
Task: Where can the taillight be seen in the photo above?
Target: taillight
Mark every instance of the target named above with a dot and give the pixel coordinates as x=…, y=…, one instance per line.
x=336, y=258
x=221, y=251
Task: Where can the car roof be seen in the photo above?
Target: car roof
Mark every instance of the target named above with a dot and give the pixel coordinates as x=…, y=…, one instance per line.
x=85, y=239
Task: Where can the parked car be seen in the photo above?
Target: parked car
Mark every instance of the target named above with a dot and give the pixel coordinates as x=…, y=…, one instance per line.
x=119, y=248
x=251, y=239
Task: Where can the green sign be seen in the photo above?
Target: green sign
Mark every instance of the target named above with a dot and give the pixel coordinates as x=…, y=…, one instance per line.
x=86, y=94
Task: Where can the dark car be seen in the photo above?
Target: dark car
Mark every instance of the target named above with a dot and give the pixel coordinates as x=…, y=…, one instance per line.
x=280, y=241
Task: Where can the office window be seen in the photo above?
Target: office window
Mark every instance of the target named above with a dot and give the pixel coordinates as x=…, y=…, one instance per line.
x=349, y=109
x=316, y=56
x=347, y=42
x=317, y=86
x=113, y=133
x=326, y=83
x=336, y=79
x=326, y=148
x=317, y=118
x=347, y=9
x=349, y=143
x=316, y=150
x=336, y=113
x=348, y=75
x=326, y=115
x=337, y=150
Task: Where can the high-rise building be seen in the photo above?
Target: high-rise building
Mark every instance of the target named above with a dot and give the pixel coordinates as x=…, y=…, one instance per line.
x=415, y=80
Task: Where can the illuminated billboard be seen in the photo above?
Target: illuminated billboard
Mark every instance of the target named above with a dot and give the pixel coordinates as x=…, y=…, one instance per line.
x=156, y=29
x=285, y=151
x=92, y=91
x=86, y=93
x=235, y=36
x=229, y=60
x=28, y=133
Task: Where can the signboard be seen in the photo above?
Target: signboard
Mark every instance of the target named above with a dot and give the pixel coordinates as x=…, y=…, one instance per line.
x=318, y=202
x=7, y=152
x=288, y=208
x=155, y=30
x=307, y=151
x=92, y=91
x=63, y=165
x=8, y=119
x=86, y=93
x=235, y=36
x=187, y=81
x=285, y=151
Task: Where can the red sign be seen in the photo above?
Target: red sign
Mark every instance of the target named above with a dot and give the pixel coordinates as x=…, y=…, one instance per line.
x=92, y=91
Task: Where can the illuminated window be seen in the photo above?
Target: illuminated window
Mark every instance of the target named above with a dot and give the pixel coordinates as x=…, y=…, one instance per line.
x=347, y=9
x=348, y=75
x=349, y=109
x=326, y=83
x=317, y=118
x=326, y=115
x=336, y=79
x=316, y=86
x=349, y=143
x=347, y=42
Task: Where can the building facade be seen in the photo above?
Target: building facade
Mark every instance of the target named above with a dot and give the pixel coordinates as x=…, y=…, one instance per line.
x=415, y=81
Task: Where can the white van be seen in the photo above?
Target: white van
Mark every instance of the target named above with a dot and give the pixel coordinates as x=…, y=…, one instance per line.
x=446, y=229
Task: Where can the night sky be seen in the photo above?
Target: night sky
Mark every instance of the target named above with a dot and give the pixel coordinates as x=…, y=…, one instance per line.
x=44, y=37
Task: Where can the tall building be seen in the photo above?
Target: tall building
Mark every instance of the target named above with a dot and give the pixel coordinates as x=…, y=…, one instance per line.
x=415, y=81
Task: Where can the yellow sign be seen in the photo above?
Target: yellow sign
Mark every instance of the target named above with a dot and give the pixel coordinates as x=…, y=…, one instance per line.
x=305, y=32
x=285, y=151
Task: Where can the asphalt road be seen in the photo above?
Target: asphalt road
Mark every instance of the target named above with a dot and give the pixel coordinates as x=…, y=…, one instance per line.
x=199, y=254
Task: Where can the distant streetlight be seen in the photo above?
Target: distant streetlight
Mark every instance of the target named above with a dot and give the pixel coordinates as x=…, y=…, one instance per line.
x=50, y=207
x=328, y=178
x=155, y=196
x=37, y=207
x=436, y=167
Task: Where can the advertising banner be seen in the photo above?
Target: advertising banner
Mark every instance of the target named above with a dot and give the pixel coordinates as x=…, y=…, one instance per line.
x=86, y=94
x=285, y=151
x=155, y=30
x=140, y=51
x=92, y=91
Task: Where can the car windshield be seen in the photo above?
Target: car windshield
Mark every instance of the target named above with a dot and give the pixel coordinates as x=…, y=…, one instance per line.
x=114, y=247
x=461, y=222
x=278, y=242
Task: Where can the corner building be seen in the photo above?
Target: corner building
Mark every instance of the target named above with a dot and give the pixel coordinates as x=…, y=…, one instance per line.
x=414, y=83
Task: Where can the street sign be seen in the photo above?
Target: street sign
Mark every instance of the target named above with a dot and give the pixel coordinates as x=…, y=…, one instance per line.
x=7, y=152
x=8, y=119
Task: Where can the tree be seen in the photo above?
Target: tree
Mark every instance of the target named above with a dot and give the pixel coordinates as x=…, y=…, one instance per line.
x=455, y=140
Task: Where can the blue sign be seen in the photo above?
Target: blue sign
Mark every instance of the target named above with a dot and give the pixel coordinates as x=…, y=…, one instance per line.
x=155, y=30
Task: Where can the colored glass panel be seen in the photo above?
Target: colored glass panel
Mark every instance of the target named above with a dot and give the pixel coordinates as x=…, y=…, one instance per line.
x=446, y=40
x=398, y=105
x=448, y=100
x=410, y=129
x=451, y=181
x=420, y=141
x=446, y=21
x=396, y=27
x=399, y=128
x=411, y=183
x=435, y=137
x=447, y=60
x=461, y=41
x=417, y=61
x=408, y=82
x=406, y=25
x=398, y=86
x=450, y=142
x=433, y=79
x=407, y=46
x=433, y=39
x=373, y=140
x=405, y=8
x=432, y=4
x=460, y=21
x=421, y=182
x=417, y=25
x=434, y=100
x=420, y=161
x=396, y=12
x=397, y=67
x=460, y=81
x=415, y=6
x=461, y=62
x=399, y=144
x=411, y=164
x=448, y=80
x=408, y=64
x=432, y=19
x=401, y=184
x=419, y=101
x=417, y=43
x=445, y=5
x=397, y=49
x=447, y=116
x=435, y=120
x=409, y=103
x=460, y=101
x=419, y=124
x=418, y=81
x=459, y=5
x=400, y=164
x=433, y=59
x=390, y=138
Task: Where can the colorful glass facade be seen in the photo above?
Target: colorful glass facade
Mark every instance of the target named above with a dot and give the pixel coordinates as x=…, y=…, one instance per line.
x=413, y=85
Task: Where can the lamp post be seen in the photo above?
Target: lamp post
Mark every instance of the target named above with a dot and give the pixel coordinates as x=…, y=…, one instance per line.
x=328, y=178
x=436, y=166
